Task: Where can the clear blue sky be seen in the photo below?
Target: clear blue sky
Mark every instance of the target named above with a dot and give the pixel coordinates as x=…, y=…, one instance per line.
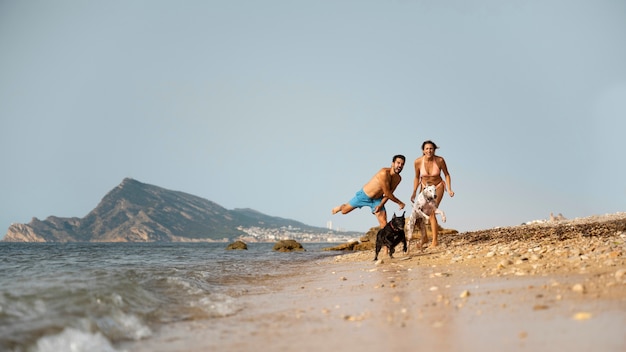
x=289, y=107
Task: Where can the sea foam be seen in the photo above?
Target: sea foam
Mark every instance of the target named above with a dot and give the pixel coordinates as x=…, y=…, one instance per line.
x=74, y=340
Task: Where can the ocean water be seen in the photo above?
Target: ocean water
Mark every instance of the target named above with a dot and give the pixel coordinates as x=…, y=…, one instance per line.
x=95, y=296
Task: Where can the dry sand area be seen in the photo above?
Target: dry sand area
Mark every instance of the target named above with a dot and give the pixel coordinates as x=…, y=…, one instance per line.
x=556, y=286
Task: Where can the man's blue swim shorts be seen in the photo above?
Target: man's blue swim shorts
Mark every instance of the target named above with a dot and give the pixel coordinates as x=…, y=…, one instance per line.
x=361, y=199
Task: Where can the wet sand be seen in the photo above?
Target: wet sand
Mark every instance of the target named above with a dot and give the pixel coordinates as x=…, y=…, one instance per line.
x=537, y=294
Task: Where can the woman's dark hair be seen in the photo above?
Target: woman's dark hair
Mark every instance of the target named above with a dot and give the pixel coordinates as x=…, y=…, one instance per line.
x=429, y=142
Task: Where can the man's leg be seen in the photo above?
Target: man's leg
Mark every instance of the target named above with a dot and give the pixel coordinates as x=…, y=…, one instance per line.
x=382, y=218
x=343, y=208
x=382, y=221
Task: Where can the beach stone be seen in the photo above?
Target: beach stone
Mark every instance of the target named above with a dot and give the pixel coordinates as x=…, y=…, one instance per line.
x=619, y=275
x=504, y=263
x=575, y=252
x=582, y=316
x=288, y=246
x=609, y=262
x=237, y=245
x=580, y=288
x=350, y=246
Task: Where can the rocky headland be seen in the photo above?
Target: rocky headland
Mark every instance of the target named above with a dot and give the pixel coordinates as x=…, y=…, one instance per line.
x=139, y=212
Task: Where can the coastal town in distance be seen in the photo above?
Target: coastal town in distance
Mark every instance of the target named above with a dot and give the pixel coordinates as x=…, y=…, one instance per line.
x=260, y=234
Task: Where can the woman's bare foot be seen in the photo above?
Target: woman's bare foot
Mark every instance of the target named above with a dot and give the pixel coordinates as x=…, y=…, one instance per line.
x=336, y=209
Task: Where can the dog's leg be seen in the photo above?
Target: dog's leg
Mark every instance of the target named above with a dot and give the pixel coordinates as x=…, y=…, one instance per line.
x=424, y=237
x=379, y=243
x=410, y=229
x=440, y=212
x=377, y=250
x=404, y=242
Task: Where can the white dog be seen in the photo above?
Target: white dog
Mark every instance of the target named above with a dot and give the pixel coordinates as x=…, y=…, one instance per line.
x=424, y=206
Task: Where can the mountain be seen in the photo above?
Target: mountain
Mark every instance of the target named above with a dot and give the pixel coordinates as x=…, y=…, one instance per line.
x=139, y=212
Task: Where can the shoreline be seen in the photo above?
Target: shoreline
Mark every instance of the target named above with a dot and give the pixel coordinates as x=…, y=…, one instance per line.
x=558, y=290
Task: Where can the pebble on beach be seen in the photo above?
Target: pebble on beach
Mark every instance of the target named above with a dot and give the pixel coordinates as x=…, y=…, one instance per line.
x=580, y=288
x=582, y=316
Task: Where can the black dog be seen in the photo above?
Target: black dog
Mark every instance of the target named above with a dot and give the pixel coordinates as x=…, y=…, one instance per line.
x=391, y=235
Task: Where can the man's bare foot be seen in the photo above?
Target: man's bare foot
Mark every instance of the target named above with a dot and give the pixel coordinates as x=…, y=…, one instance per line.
x=336, y=209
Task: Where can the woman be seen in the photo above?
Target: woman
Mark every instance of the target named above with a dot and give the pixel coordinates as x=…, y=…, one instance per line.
x=428, y=169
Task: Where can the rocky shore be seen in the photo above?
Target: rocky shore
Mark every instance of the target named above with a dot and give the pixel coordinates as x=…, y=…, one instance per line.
x=577, y=245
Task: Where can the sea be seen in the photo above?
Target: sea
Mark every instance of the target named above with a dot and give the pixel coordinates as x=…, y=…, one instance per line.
x=98, y=296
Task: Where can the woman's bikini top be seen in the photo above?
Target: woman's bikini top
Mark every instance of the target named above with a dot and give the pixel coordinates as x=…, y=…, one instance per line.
x=434, y=178
x=435, y=168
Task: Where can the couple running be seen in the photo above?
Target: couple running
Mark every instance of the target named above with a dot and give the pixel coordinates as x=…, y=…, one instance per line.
x=380, y=188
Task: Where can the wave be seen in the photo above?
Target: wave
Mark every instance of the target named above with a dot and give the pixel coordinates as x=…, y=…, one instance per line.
x=96, y=296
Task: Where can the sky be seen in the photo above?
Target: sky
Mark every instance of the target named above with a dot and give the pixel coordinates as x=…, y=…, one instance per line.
x=290, y=107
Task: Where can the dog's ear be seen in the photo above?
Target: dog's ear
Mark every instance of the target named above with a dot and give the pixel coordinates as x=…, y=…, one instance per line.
x=403, y=213
x=394, y=215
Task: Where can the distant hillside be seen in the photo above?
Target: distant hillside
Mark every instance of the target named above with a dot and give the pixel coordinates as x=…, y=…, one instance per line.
x=139, y=212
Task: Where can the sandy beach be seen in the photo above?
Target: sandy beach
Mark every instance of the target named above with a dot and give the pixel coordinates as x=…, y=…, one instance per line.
x=541, y=287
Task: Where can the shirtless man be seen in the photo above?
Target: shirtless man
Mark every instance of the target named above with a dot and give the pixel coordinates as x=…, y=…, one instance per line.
x=377, y=191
